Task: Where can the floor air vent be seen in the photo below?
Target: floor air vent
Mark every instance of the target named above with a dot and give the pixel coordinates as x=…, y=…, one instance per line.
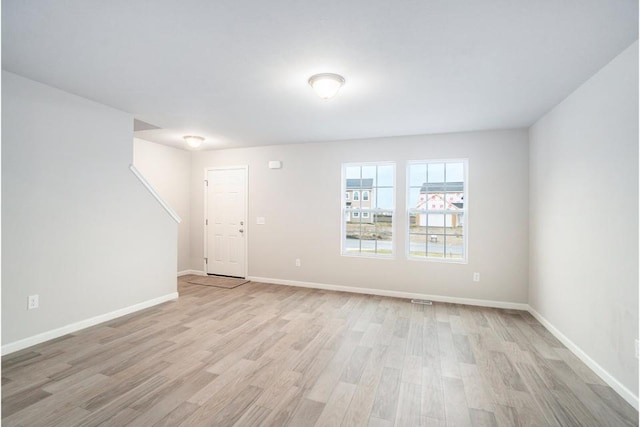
x=421, y=301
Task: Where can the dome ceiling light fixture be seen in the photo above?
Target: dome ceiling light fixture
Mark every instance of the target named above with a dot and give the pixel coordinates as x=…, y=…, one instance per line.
x=193, y=141
x=326, y=85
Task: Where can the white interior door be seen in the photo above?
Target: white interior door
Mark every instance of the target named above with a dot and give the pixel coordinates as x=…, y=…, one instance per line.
x=226, y=221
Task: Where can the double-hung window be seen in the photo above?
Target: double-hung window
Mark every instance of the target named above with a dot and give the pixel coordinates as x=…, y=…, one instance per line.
x=368, y=221
x=436, y=210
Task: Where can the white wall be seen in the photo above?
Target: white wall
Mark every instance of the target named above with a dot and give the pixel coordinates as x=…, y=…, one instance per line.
x=584, y=217
x=78, y=228
x=168, y=170
x=301, y=203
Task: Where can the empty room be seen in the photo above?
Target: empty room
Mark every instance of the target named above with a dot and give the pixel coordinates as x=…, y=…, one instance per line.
x=345, y=213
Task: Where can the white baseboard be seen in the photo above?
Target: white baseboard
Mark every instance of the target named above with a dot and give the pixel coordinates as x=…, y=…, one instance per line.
x=626, y=394
x=396, y=294
x=196, y=272
x=56, y=333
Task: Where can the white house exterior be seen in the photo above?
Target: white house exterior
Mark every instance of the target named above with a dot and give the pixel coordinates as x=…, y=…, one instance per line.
x=359, y=195
x=438, y=198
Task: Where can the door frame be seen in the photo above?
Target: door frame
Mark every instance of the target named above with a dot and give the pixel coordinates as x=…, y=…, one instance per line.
x=245, y=168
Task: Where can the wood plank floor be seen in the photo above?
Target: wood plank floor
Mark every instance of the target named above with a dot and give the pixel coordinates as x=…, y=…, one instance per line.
x=275, y=355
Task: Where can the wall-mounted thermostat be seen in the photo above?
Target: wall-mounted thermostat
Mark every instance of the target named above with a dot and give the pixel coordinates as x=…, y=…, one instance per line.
x=275, y=164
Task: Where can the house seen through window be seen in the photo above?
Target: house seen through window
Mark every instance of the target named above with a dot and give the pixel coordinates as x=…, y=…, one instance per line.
x=436, y=209
x=367, y=221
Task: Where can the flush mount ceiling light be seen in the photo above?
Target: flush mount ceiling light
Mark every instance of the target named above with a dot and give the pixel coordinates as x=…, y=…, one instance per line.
x=326, y=85
x=194, y=141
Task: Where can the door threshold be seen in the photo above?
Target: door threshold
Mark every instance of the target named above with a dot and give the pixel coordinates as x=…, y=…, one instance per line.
x=224, y=275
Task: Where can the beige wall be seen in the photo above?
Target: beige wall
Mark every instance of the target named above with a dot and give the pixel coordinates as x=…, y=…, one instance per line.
x=301, y=204
x=584, y=218
x=168, y=170
x=78, y=228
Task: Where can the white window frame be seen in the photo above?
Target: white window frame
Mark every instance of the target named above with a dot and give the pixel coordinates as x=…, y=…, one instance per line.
x=465, y=212
x=365, y=192
x=356, y=195
x=346, y=195
x=344, y=210
x=355, y=214
x=365, y=214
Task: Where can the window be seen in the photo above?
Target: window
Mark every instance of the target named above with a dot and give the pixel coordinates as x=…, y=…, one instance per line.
x=346, y=195
x=367, y=229
x=437, y=210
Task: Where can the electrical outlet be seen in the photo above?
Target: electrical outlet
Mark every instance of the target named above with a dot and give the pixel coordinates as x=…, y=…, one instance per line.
x=32, y=302
x=298, y=262
x=476, y=277
x=637, y=355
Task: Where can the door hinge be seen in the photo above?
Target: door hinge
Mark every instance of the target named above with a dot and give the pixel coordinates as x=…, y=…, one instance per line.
x=206, y=222
x=206, y=182
x=206, y=260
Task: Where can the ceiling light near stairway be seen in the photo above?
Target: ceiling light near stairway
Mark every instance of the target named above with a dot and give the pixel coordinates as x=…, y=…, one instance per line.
x=326, y=85
x=194, y=141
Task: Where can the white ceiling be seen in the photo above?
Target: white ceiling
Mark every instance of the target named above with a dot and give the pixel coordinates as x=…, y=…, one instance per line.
x=235, y=71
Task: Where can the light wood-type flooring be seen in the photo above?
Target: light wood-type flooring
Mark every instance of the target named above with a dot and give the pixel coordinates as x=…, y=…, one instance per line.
x=275, y=355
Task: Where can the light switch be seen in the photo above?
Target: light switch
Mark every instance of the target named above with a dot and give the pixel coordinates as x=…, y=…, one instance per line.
x=260, y=220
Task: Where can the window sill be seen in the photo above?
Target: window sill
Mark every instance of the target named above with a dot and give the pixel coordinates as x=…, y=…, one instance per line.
x=384, y=257
x=440, y=260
